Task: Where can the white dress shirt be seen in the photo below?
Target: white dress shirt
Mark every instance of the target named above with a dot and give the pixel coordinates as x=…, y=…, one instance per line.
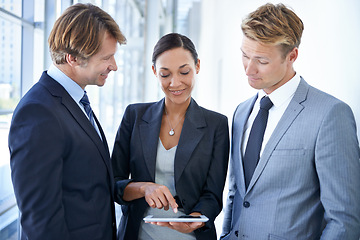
x=281, y=98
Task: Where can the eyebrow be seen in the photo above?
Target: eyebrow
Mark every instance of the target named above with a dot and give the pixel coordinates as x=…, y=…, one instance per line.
x=182, y=66
x=256, y=57
x=108, y=56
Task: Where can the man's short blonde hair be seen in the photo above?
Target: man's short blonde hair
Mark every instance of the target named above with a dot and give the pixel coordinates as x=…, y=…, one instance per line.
x=274, y=24
x=79, y=31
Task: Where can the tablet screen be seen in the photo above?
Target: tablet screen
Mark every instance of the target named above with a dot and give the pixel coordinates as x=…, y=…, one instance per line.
x=184, y=218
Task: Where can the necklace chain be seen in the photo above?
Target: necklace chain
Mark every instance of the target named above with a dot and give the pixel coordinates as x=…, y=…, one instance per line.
x=172, y=129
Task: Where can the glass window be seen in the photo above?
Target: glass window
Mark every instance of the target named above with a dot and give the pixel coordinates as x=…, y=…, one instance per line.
x=13, y=6
x=12, y=52
x=10, y=63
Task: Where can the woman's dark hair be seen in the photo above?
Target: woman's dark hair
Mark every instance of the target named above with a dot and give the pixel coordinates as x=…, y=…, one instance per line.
x=174, y=40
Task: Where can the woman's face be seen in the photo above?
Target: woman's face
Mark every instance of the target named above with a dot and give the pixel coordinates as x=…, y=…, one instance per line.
x=176, y=70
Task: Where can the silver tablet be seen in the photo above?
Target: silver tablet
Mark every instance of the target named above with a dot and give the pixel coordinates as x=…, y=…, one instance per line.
x=184, y=218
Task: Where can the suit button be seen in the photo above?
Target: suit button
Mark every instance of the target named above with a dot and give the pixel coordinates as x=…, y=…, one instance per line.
x=246, y=204
x=183, y=202
x=236, y=233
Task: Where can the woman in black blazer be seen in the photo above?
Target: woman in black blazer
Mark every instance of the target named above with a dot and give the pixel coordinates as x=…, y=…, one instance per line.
x=171, y=156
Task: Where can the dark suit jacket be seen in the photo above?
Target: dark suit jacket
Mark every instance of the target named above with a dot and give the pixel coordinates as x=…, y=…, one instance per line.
x=200, y=162
x=61, y=170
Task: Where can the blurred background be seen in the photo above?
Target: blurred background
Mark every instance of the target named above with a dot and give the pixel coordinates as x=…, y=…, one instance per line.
x=328, y=59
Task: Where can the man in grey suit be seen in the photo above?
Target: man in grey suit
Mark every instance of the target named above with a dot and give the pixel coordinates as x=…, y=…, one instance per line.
x=303, y=180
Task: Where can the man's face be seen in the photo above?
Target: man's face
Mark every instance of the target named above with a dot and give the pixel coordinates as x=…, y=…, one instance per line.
x=266, y=66
x=96, y=70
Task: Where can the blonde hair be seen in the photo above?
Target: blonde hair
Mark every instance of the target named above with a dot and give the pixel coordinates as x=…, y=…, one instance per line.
x=79, y=31
x=274, y=24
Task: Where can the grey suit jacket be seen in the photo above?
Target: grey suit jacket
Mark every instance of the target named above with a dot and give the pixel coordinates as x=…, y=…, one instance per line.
x=200, y=166
x=307, y=182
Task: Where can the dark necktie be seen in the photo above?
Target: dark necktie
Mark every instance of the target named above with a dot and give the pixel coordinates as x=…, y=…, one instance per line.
x=86, y=103
x=256, y=136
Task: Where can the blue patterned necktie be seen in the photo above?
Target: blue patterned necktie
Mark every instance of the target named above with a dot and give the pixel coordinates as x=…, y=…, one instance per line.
x=256, y=136
x=86, y=103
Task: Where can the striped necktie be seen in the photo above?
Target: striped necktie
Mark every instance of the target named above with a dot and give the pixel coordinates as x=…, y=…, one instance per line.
x=86, y=103
x=256, y=136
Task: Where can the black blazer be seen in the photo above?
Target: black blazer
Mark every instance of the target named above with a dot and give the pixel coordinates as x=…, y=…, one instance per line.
x=61, y=169
x=201, y=161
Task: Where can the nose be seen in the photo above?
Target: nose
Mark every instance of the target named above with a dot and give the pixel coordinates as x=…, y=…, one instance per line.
x=175, y=81
x=250, y=68
x=113, y=66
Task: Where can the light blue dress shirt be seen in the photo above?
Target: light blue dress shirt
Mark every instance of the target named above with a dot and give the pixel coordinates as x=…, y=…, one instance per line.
x=74, y=90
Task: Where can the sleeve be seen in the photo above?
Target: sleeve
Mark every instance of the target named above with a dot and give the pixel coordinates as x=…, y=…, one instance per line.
x=228, y=209
x=36, y=144
x=210, y=202
x=120, y=158
x=338, y=167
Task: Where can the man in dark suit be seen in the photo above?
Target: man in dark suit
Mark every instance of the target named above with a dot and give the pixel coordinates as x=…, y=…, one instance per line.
x=60, y=164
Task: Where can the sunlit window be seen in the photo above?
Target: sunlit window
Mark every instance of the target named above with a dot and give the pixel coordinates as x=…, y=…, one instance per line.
x=17, y=66
x=10, y=61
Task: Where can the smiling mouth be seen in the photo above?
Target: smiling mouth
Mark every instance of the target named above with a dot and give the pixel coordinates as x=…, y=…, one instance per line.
x=104, y=75
x=177, y=92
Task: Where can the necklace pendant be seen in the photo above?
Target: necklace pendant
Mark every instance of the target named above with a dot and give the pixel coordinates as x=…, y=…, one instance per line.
x=171, y=132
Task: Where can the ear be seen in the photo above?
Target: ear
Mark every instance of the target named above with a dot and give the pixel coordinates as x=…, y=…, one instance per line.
x=197, y=66
x=154, y=70
x=293, y=54
x=71, y=60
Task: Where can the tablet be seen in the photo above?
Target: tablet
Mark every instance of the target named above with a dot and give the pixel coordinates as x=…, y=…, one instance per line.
x=184, y=218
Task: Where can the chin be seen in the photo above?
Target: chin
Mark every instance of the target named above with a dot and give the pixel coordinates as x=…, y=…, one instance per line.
x=101, y=83
x=180, y=101
x=185, y=101
x=255, y=86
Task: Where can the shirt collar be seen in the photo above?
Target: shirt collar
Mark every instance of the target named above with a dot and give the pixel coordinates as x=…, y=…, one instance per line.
x=283, y=93
x=75, y=91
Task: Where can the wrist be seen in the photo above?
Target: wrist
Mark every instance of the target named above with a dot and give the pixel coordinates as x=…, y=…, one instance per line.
x=142, y=188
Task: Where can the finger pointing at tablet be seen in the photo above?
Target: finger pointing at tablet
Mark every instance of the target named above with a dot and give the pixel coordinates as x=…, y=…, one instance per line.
x=156, y=195
x=159, y=196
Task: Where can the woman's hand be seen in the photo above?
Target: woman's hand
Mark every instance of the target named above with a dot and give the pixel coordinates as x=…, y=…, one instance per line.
x=159, y=196
x=156, y=195
x=184, y=227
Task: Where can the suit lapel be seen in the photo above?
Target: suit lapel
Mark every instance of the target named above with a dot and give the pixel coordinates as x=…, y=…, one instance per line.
x=105, y=153
x=149, y=135
x=290, y=114
x=58, y=91
x=85, y=124
x=191, y=134
x=242, y=113
x=102, y=134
